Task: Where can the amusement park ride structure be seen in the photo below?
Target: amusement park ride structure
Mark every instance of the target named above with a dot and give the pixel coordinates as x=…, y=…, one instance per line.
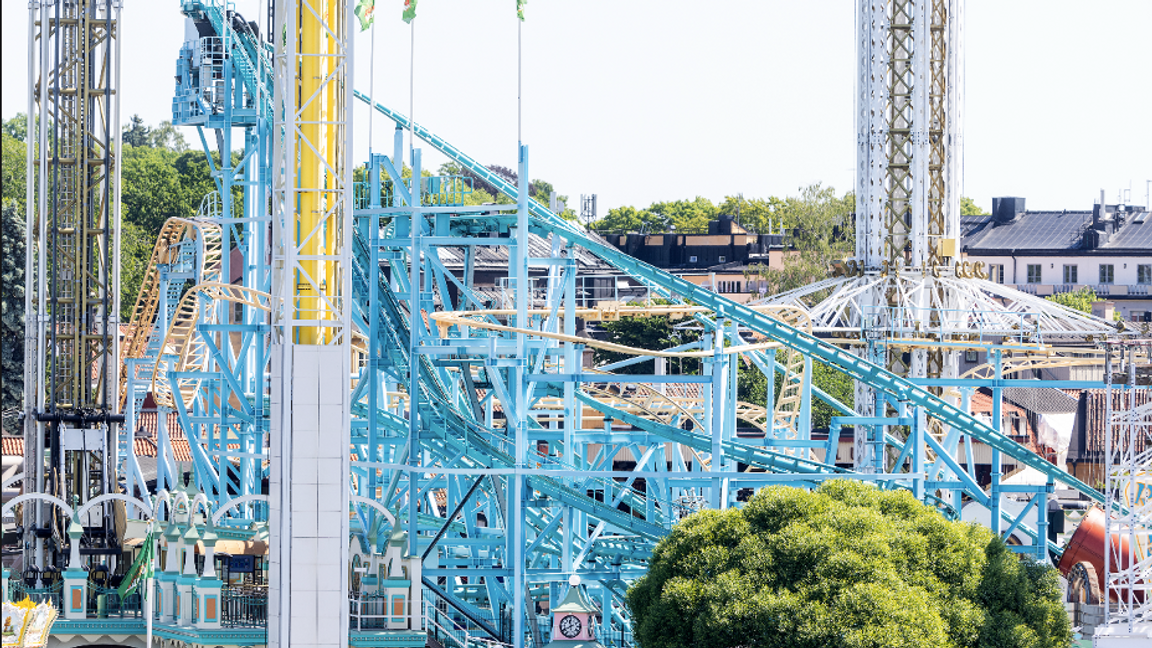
x=71, y=425
x=385, y=402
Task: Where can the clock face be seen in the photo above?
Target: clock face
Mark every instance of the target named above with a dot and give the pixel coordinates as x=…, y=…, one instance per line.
x=569, y=626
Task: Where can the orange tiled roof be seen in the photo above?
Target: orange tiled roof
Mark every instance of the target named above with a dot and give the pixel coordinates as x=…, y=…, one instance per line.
x=13, y=445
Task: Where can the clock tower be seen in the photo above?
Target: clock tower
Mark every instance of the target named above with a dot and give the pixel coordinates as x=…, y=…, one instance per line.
x=573, y=620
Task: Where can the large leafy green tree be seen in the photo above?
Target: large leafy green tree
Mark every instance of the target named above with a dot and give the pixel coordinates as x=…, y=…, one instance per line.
x=11, y=307
x=845, y=566
x=12, y=255
x=160, y=179
x=685, y=215
x=752, y=387
x=819, y=229
x=818, y=225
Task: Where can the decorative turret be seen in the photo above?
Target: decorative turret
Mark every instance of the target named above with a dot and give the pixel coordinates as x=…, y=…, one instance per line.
x=75, y=577
x=573, y=620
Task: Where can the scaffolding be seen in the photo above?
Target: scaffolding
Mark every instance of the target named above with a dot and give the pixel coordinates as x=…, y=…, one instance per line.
x=1128, y=486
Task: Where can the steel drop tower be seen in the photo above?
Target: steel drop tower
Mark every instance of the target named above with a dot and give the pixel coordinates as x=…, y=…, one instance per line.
x=73, y=266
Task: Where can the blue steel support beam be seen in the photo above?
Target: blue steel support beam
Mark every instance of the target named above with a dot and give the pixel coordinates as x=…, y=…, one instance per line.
x=856, y=368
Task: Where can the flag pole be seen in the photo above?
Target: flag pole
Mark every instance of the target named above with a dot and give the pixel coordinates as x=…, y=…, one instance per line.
x=148, y=592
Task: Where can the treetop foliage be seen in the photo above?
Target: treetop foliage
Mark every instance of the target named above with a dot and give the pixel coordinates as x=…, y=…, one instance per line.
x=847, y=565
x=485, y=192
x=968, y=207
x=1080, y=300
x=11, y=307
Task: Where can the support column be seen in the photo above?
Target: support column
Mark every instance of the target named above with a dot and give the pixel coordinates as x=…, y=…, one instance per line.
x=309, y=503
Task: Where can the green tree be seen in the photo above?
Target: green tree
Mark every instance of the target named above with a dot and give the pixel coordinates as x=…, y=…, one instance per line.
x=17, y=127
x=13, y=172
x=655, y=333
x=135, y=133
x=484, y=192
x=687, y=215
x=968, y=207
x=628, y=219
x=844, y=566
x=160, y=179
x=12, y=250
x=752, y=387
x=819, y=230
x=759, y=215
x=1080, y=300
x=11, y=307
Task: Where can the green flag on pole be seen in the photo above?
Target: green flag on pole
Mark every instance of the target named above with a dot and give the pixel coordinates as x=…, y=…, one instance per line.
x=365, y=10
x=520, y=8
x=140, y=569
x=409, y=10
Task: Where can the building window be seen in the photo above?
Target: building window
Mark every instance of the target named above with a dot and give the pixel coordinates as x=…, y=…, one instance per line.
x=1144, y=273
x=971, y=355
x=721, y=259
x=1033, y=273
x=996, y=272
x=1071, y=274
x=1106, y=273
x=692, y=259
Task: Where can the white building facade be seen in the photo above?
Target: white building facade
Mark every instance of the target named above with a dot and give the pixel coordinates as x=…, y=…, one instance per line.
x=1107, y=249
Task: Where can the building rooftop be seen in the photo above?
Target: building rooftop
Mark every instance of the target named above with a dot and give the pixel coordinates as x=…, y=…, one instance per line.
x=1113, y=230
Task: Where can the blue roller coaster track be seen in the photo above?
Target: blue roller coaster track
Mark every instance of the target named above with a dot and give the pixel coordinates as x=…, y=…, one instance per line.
x=496, y=409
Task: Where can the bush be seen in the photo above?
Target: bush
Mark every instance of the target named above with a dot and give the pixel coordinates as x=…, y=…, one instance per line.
x=847, y=565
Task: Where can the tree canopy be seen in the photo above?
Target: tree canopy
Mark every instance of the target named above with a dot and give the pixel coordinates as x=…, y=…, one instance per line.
x=485, y=192
x=160, y=179
x=847, y=565
x=968, y=207
x=656, y=333
x=12, y=267
x=11, y=306
x=1080, y=300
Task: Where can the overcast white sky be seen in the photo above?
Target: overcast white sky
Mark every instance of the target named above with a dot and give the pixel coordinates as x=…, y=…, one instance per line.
x=640, y=101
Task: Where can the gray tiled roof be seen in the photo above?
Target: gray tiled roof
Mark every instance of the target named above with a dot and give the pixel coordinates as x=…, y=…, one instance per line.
x=1042, y=400
x=1049, y=231
x=1033, y=231
x=1136, y=234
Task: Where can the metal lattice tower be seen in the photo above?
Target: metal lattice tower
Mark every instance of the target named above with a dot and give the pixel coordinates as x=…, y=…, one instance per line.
x=909, y=134
x=73, y=221
x=1128, y=455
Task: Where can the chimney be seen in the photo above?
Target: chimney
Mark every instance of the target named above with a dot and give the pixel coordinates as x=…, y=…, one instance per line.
x=1102, y=228
x=1007, y=209
x=1103, y=309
